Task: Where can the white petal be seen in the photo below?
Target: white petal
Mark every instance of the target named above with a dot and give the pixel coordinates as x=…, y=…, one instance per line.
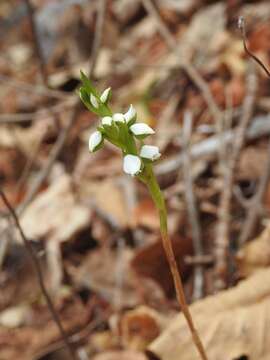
x=107, y=120
x=118, y=117
x=94, y=101
x=141, y=129
x=105, y=95
x=130, y=114
x=150, y=152
x=132, y=165
x=95, y=140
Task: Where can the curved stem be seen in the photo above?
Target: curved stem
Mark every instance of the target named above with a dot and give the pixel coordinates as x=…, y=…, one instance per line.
x=154, y=189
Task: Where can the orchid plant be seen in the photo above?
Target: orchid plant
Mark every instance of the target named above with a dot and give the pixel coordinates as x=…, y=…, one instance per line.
x=123, y=131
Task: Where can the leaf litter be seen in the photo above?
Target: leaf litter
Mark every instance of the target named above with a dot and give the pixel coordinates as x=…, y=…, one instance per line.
x=97, y=238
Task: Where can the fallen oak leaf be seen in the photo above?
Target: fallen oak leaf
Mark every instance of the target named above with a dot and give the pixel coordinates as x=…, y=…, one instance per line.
x=232, y=324
x=254, y=255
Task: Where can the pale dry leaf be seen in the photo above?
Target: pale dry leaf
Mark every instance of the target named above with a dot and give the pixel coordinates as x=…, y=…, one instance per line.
x=252, y=162
x=13, y=317
x=108, y=198
x=233, y=323
x=255, y=255
x=55, y=213
x=99, y=272
x=145, y=215
x=205, y=26
x=120, y=355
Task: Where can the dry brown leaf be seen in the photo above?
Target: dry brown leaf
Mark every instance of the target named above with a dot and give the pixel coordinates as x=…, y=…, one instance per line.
x=55, y=214
x=233, y=323
x=139, y=327
x=145, y=214
x=107, y=197
x=100, y=272
x=28, y=341
x=203, y=30
x=255, y=255
x=150, y=262
x=252, y=162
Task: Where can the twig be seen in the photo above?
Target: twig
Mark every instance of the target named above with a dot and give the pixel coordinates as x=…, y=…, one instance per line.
x=259, y=127
x=241, y=25
x=248, y=227
x=46, y=113
x=187, y=67
x=65, y=132
x=34, y=88
x=38, y=270
x=199, y=260
x=30, y=11
x=28, y=166
x=222, y=237
x=193, y=215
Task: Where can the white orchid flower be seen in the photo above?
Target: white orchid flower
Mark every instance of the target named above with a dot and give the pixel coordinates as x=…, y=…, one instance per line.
x=118, y=117
x=132, y=165
x=141, y=129
x=150, y=152
x=105, y=95
x=107, y=120
x=95, y=141
x=94, y=101
x=130, y=115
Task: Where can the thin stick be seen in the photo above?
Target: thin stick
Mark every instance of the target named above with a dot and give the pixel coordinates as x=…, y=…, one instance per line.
x=39, y=274
x=222, y=238
x=187, y=67
x=39, y=115
x=255, y=203
x=34, y=88
x=57, y=148
x=38, y=50
x=193, y=215
x=241, y=25
x=259, y=127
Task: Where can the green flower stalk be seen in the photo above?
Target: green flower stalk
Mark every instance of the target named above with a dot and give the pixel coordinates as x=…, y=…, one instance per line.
x=123, y=131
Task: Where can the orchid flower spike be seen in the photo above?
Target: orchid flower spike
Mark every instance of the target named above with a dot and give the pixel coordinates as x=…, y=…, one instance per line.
x=141, y=130
x=94, y=101
x=95, y=141
x=150, y=152
x=130, y=115
x=105, y=95
x=132, y=165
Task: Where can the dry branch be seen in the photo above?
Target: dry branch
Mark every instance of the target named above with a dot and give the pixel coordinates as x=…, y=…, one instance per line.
x=223, y=233
x=193, y=215
x=38, y=270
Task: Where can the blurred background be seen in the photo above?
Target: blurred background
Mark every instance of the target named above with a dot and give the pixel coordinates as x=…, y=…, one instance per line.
x=95, y=231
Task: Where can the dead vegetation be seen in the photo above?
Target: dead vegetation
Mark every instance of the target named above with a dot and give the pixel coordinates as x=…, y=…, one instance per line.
x=94, y=231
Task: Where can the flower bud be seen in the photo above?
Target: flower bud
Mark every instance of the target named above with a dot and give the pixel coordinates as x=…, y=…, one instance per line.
x=95, y=141
x=130, y=115
x=105, y=95
x=118, y=117
x=150, y=152
x=94, y=101
x=141, y=130
x=107, y=120
x=132, y=165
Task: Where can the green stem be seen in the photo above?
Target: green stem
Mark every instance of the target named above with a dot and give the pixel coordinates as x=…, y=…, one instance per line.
x=149, y=179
